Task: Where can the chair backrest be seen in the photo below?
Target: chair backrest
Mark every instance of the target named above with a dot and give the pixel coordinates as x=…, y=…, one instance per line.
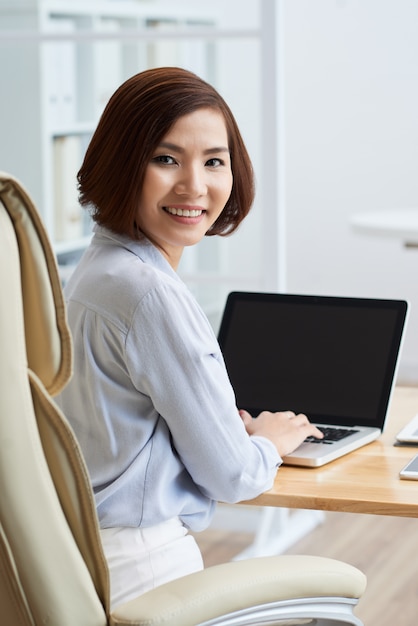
x=52, y=568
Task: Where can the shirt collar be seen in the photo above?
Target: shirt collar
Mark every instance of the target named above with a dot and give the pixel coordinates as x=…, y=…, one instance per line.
x=142, y=248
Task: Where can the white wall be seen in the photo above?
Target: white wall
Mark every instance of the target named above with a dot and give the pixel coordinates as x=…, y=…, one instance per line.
x=350, y=133
x=351, y=138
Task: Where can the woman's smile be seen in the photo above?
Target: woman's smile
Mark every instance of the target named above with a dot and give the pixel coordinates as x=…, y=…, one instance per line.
x=185, y=212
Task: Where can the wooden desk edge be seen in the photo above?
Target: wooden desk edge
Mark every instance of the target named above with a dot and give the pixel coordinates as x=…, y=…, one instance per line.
x=334, y=504
x=310, y=488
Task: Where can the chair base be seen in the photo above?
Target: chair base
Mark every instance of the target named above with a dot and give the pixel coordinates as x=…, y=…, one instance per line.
x=310, y=611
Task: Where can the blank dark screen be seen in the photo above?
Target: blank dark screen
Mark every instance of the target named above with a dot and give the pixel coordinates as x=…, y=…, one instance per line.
x=334, y=363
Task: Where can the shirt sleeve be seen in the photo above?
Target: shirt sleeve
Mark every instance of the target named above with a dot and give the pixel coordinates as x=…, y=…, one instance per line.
x=174, y=358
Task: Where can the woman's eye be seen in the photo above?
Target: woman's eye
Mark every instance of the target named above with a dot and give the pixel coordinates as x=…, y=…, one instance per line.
x=215, y=162
x=165, y=159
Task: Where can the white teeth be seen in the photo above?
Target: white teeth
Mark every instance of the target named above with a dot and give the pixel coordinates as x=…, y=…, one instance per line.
x=183, y=212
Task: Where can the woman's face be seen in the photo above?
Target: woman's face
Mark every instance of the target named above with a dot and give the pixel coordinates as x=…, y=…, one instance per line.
x=187, y=183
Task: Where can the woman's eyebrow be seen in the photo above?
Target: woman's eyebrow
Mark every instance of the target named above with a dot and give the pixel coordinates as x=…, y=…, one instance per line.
x=216, y=150
x=174, y=148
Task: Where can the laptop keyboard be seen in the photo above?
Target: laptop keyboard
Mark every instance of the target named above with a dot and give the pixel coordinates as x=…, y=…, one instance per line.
x=331, y=435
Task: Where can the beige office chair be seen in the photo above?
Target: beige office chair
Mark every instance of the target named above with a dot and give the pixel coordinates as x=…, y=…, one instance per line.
x=52, y=568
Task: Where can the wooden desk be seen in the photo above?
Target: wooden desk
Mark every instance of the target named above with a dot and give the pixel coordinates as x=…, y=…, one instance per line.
x=364, y=481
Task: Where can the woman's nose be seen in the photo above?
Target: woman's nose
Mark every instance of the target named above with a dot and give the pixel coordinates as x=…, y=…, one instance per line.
x=191, y=182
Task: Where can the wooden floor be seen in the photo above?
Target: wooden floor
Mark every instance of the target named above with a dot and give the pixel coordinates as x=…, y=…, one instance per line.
x=384, y=548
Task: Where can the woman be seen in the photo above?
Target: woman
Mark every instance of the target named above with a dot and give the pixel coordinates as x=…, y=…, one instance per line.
x=150, y=400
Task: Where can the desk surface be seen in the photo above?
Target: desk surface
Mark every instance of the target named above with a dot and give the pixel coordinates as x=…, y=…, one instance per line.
x=364, y=481
x=399, y=223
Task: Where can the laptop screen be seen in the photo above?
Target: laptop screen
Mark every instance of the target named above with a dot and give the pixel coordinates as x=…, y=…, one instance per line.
x=332, y=358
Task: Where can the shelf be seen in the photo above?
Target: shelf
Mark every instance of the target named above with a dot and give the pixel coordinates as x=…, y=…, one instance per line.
x=100, y=44
x=77, y=128
x=62, y=248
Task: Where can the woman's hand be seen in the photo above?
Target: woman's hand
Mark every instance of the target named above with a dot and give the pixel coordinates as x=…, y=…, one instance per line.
x=285, y=429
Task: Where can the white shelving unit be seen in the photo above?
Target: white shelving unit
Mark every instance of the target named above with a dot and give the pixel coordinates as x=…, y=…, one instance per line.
x=61, y=61
x=64, y=60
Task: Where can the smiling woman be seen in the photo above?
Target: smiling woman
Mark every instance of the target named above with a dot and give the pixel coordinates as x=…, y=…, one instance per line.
x=186, y=184
x=134, y=126
x=150, y=400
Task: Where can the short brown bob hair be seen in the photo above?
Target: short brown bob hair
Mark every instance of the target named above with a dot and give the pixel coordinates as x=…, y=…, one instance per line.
x=138, y=115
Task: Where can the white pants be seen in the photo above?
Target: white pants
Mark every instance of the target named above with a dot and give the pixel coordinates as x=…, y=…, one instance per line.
x=140, y=559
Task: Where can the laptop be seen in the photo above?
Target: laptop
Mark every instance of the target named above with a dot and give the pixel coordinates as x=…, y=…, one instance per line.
x=409, y=433
x=332, y=358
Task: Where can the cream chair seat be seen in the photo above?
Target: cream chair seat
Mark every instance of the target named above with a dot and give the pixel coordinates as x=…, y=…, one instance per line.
x=52, y=568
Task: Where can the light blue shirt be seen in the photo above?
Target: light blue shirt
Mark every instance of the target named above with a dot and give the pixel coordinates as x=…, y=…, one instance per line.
x=150, y=400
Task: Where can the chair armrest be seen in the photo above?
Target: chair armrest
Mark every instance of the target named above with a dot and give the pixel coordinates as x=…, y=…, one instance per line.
x=226, y=588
